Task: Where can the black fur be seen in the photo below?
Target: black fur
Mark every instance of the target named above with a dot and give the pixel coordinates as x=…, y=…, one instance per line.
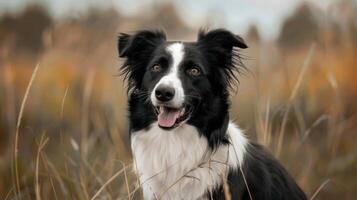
x=208, y=94
x=265, y=177
x=216, y=54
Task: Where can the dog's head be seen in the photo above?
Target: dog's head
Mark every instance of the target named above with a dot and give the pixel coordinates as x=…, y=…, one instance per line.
x=183, y=81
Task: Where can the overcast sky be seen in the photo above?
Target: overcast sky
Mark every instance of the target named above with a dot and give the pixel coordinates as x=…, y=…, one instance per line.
x=236, y=14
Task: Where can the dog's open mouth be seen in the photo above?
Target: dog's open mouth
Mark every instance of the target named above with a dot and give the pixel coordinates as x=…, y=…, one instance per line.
x=169, y=117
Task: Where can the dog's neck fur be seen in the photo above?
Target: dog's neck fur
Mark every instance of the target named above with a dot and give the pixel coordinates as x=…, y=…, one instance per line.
x=213, y=121
x=179, y=164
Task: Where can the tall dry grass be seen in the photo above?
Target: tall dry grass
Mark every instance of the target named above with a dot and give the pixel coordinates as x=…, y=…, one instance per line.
x=63, y=126
x=88, y=157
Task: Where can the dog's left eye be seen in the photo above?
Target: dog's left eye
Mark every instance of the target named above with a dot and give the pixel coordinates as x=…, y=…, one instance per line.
x=193, y=71
x=156, y=68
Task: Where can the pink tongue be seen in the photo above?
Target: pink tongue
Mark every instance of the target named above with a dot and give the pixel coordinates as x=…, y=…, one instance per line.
x=167, y=118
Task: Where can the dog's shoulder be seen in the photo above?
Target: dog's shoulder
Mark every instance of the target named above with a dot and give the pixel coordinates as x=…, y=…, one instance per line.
x=261, y=176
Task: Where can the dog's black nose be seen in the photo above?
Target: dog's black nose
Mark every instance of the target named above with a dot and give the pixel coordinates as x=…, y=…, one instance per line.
x=164, y=93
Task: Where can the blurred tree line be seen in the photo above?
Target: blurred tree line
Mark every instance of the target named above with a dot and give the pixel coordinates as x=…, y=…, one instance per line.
x=25, y=31
x=310, y=24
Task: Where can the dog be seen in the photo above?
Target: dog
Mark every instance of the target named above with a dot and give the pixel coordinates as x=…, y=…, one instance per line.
x=183, y=142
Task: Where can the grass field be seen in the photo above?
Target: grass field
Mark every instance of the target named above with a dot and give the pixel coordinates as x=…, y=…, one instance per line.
x=63, y=126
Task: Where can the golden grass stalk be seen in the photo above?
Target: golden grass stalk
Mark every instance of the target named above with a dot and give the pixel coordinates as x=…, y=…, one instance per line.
x=267, y=135
x=302, y=72
x=63, y=102
x=245, y=180
x=42, y=144
x=95, y=175
x=126, y=182
x=8, y=194
x=319, y=189
x=84, y=128
x=16, y=145
x=226, y=191
x=85, y=110
x=109, y=181
x=292, y=97
x=83, y=185
x=56, y=174
x=45, y=164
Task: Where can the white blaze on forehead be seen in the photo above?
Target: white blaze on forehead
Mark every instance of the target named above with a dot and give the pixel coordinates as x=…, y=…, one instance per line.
x=171, y=79
x=177, y=53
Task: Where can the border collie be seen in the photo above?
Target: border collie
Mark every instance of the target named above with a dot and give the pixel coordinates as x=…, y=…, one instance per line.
x=184, y=144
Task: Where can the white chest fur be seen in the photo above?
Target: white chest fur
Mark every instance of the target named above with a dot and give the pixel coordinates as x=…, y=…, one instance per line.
x=175, y=165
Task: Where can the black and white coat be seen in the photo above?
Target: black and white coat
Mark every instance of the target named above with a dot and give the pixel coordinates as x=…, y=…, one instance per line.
x=184, y=144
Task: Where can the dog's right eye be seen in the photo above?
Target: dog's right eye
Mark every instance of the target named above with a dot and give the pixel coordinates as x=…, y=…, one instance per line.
x=156, y=68
x=194, y=71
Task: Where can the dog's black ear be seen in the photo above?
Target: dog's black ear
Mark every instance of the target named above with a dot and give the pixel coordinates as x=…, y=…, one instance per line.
x=123, y=40
x=221, y=49
x=137, y=49
x=222, y=38
x=129, y=45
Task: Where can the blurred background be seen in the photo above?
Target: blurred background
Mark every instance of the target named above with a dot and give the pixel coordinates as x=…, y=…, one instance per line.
x=63, y=126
